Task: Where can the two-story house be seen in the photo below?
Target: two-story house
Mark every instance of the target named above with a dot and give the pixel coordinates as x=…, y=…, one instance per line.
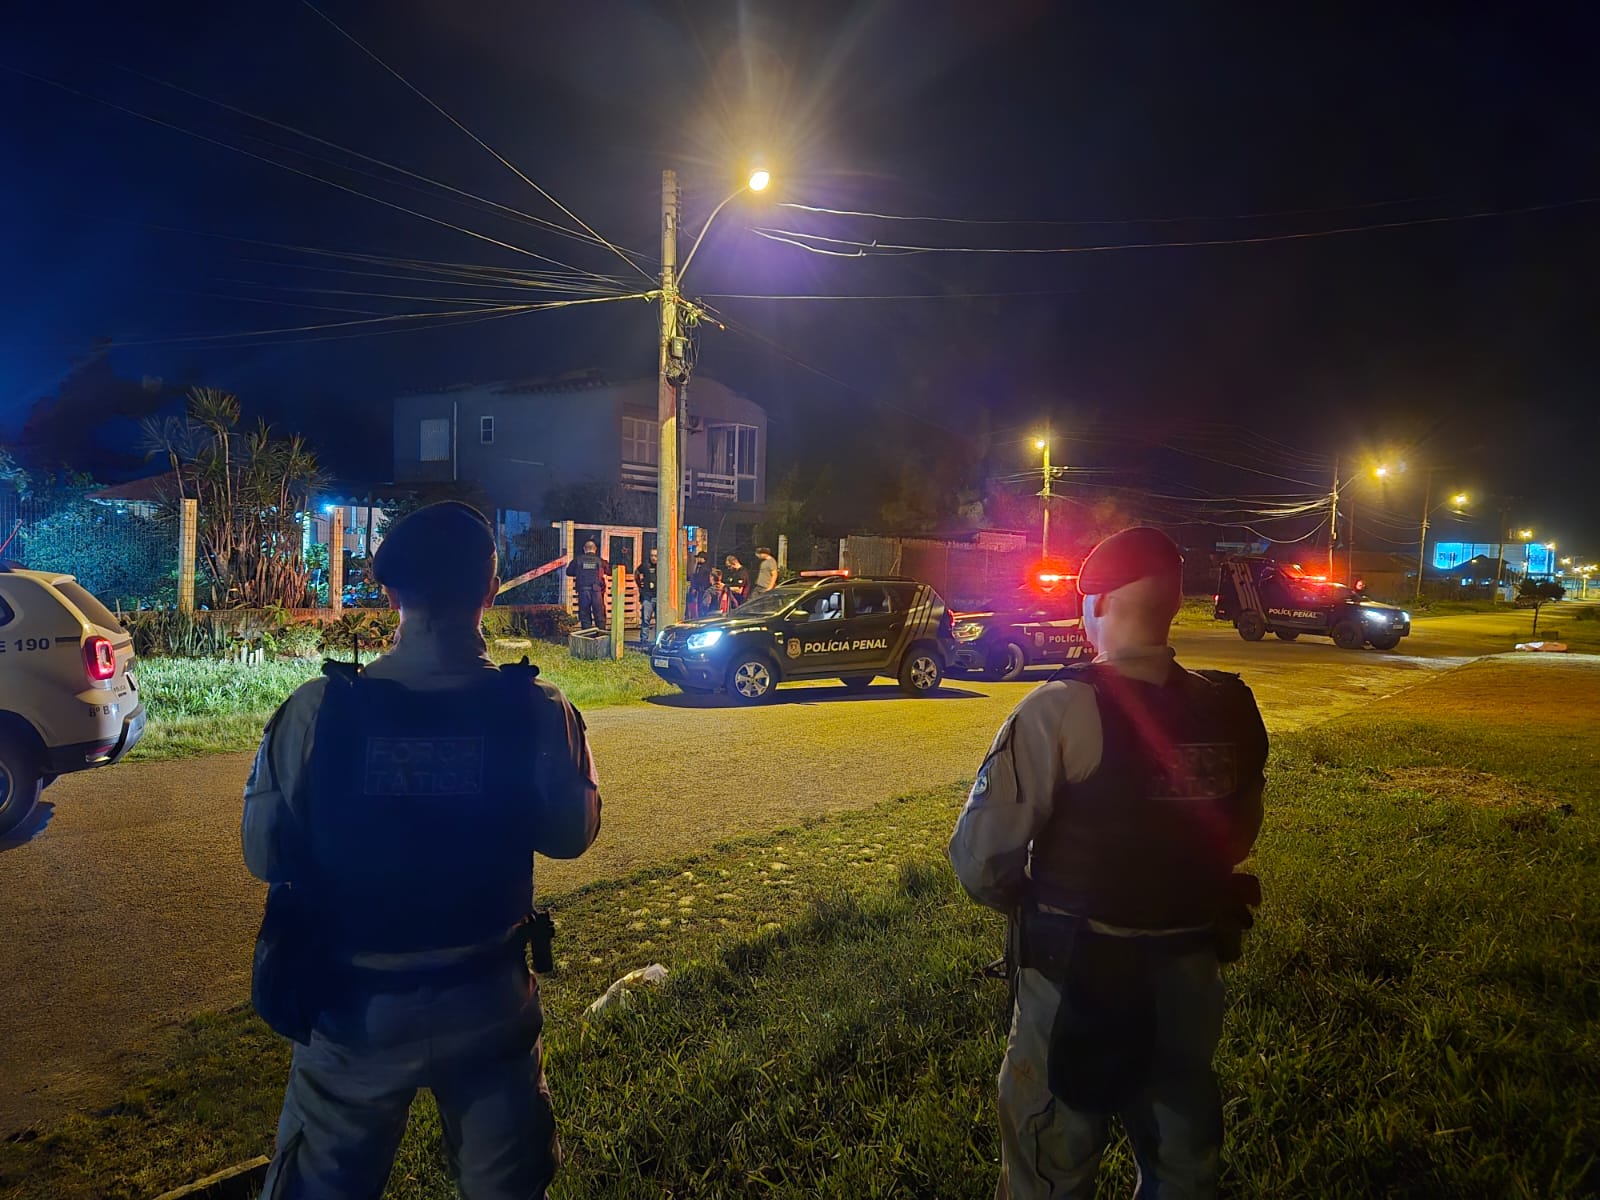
x=519, y=441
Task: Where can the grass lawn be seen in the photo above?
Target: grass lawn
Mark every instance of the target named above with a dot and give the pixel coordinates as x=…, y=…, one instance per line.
x=1417, y=1012
x=202, y=706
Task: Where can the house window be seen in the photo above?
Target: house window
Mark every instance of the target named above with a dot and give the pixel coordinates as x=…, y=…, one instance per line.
x=435, y=440
x=732, y=453
x=486, y=430
x=640, y=440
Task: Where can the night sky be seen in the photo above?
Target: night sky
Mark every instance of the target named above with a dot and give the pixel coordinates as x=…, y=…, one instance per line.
x=1465, y=345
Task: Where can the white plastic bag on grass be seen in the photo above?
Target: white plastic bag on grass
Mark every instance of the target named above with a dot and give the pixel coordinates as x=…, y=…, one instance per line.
x=617, y=994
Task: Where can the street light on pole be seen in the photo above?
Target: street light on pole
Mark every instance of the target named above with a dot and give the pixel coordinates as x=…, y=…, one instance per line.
x=672, y=380
x=1456, y=502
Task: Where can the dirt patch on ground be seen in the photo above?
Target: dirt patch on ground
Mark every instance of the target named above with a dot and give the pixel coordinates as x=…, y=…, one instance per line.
x=1477, y=788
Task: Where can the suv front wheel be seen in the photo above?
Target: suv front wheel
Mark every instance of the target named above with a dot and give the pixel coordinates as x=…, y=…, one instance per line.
x=921, y=672
x=751, y=679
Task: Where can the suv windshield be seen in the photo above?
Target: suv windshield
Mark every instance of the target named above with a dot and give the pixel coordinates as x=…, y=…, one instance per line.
x=769, y=603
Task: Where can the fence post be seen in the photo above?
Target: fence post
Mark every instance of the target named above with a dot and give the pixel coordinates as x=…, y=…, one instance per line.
x=336, y=561
x=619, y=601
x=188, y=523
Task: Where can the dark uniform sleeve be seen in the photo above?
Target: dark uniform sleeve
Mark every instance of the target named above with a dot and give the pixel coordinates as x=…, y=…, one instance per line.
x=564, y=776
x=271, y=828
x=1252, y=774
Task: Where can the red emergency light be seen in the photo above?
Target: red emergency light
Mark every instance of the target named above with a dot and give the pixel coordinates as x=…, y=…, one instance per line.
x=823, y=574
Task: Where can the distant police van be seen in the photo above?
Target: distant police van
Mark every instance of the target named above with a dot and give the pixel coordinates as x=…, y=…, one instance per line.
x=68, y=700
x=1041, y=622
x=813, y=628
x=1262, y=596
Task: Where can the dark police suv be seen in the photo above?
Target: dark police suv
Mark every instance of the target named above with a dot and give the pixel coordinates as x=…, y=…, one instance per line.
x=1262, y=595
x=1039, y=622
x=849, y=629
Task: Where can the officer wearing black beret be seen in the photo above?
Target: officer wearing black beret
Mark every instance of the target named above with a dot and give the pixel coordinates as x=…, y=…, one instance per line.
x=1106, y=822
x=396, y=810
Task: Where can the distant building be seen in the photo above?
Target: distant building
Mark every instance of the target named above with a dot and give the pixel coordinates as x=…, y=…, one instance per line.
x=519, y=441
x=1529, y=558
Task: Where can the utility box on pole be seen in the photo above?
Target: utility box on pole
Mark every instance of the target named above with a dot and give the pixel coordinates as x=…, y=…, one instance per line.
x=188, y=530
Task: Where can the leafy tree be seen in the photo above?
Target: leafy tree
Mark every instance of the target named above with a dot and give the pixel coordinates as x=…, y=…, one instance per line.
x=1535, y=593
x=252, y=489
x=602, y=503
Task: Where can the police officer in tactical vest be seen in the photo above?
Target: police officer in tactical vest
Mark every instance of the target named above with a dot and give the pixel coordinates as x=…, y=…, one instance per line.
x=395, y=811
x=588, y=570
x=1106, y=822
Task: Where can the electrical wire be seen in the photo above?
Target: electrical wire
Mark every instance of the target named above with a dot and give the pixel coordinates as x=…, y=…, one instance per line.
x=482, y=202
x=287, y=167
x=1262, y=216
x=485, y=145
x=908, y=296
x=877, y=249
x=505, y=309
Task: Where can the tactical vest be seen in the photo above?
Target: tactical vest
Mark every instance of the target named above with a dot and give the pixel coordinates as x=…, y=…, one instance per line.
x=1148, y=841
x=422, y=812
x=591, y=574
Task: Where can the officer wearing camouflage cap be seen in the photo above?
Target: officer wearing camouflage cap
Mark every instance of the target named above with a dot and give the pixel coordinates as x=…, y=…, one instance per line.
x=395, y=810
x=1106, y=822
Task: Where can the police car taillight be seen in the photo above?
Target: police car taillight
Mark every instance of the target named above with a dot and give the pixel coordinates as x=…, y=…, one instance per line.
x=99, y=659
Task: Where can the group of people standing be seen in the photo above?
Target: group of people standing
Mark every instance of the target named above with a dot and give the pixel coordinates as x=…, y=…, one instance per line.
x=712, y=590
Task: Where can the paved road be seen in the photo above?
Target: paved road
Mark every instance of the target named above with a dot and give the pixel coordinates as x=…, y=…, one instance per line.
x=127, y=908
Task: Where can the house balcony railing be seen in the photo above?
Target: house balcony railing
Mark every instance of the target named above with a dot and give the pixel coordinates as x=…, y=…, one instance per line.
x=697, y=485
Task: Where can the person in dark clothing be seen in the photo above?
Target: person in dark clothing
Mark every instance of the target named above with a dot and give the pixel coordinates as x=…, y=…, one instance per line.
x=736, y=580
x=1106, y=822
x=403, y=803
x=699, y=588
x=646, y=577
x=589, y=571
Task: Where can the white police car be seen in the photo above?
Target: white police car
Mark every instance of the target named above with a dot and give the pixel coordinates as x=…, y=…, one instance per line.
x=68, y=699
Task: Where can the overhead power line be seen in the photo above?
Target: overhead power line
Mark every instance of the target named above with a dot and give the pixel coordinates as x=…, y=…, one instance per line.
x=480, y=202
x=1045, y=221
x=500, y=158
x=870, y=249
x=290, y=168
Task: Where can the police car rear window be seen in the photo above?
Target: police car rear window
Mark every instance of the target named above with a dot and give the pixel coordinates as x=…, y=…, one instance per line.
x=85, y=603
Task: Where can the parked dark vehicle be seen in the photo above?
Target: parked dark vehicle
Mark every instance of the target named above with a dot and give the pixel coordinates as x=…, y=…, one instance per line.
x=1262, y=596
x=815, y=628
x=1040, y=622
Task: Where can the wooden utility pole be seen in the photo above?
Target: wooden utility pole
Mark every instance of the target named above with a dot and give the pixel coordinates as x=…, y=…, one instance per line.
x=669, y=522
x=1044, y=536
x=1333, y=516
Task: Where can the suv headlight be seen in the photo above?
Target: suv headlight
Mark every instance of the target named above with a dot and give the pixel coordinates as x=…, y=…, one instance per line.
x=968, y=631
x=703, y=640
x=1375, y=614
